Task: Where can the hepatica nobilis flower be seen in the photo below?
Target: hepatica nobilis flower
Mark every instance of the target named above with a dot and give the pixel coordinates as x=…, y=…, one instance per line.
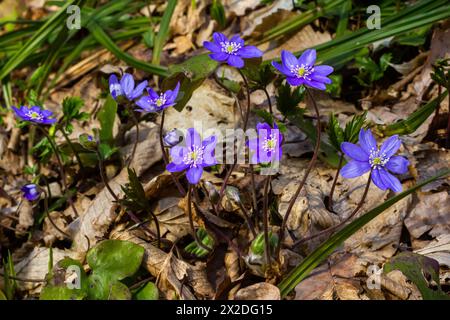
x=302, y=70
x=194, y=156
x=30, y=192
x=232, y=51
x=155, y=102
x=266, y=147
x=367, y=156
x=125, y=87
x=35, y=114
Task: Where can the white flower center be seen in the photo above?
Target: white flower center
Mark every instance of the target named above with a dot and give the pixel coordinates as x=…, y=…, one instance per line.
x=377, y=160
x=35, y=115
x=194, y=157
x=230, y=47
x=269, y=144
x=161, y=100
x=302, y=71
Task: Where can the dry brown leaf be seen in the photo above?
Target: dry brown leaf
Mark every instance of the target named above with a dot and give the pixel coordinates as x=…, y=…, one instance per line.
x=259, y=291
x=331, y=281
x=431, y=215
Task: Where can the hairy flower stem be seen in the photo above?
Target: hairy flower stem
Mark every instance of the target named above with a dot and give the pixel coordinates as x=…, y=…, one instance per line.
x=72, y=147
x=266, y=220
x=48, y=195
x=268, y=100
x=248, y=219
x=331, y=229
x=252, y=176
x=245, y=123
x=330, y=197
x=191, y=221
x=303, y=181
x=165, y=157
x=61, y=169
x=136, y=123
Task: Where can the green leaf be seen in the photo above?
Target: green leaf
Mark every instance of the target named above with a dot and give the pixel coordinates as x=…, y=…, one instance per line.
x=218, y=13
x=335, y=132
x=56, y=287
x=191, y=74
x=115, y=258
x=148, y=292
x=163, y=32
x=415, y=266
x=106, y=151
x=2, y=295
x=135, y=199
x=415, y=119
x=103, y=287
x=301, y=271
x=106, y=116
x=195, y=249
x=258, y=244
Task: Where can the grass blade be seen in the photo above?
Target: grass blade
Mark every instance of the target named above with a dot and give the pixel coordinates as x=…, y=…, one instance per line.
x=101, y=36
x=33, y=43
x=163, y=32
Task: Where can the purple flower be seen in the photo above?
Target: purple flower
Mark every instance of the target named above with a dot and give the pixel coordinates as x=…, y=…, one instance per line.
x=302, y=70
x=366, y=156
x=157, y=102
x=193, y=157
x=30, y=192
x=125, y=87
x=266, y=147
x=35, y=114
x=232, y=51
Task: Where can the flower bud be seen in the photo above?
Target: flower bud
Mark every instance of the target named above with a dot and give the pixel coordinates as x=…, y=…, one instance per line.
x=31, y=192
x=172, y=138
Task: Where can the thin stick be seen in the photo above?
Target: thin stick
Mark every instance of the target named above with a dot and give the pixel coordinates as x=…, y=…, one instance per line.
x=330, y=197
x=61, y=168
x=266, y=220
x=191, y=221
x=331, y=229
x=165, y=157
x=302, y=183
